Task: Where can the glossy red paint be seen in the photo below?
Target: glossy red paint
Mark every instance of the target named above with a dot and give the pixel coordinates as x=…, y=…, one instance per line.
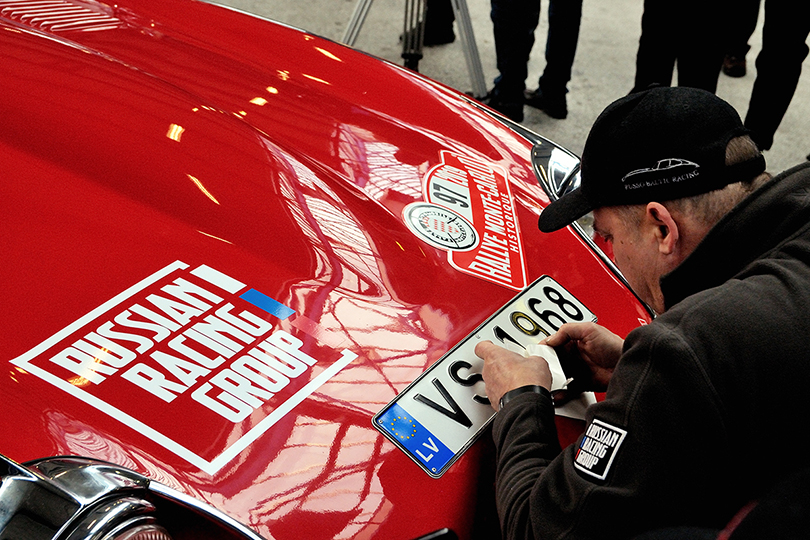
x=156, y=131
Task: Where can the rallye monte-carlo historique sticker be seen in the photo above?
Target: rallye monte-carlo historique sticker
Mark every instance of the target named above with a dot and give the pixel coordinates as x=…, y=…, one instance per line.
x=469, y=212
x=190, y=342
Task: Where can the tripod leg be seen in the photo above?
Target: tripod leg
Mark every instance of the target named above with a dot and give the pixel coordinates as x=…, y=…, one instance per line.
x=356, y=22
x=414, y=33
x=471, y=55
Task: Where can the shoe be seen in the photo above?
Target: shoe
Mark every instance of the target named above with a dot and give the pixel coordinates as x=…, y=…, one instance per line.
x=435, y=36
x=734, y=66
x=432, y=37
x=511, y=109
x=554, y=107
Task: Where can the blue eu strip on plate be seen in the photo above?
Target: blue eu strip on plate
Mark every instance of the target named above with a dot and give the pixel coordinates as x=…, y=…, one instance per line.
x=413, y=436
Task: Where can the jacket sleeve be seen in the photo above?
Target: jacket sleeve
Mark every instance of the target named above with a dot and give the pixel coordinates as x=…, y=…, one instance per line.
x=649, y=456
x=526, y=440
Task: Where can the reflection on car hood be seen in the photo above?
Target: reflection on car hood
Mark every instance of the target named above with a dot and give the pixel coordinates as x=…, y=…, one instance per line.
x=181, y=166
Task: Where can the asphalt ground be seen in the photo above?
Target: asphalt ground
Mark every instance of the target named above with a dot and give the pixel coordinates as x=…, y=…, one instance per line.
x=603, y=70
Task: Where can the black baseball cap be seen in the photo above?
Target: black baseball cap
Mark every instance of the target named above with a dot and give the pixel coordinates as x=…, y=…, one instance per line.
x=660, y=144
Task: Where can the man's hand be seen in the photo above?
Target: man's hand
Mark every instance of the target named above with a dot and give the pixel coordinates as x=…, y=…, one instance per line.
x=505, y=370
x=597, y=347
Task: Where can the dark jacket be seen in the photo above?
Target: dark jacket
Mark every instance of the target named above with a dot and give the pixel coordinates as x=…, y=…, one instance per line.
x=708, y=404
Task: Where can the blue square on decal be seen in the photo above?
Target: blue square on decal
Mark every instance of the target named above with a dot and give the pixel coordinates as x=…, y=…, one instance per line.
x=264, y=302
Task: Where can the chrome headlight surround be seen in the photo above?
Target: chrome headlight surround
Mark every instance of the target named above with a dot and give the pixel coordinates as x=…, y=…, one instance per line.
x=73, y=498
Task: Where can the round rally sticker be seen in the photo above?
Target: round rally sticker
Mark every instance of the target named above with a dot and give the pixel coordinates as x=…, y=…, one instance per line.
x=440, y=227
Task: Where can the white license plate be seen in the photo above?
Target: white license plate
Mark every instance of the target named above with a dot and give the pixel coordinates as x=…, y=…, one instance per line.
x=441, y=414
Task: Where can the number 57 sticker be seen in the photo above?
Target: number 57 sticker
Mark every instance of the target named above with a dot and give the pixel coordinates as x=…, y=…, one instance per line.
x=442, y=413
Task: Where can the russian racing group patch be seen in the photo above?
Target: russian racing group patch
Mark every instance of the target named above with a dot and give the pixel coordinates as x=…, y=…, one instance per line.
x=598, y=449
x=191, y=343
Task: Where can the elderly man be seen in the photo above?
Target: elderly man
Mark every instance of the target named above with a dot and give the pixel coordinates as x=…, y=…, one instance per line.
x=703, y=405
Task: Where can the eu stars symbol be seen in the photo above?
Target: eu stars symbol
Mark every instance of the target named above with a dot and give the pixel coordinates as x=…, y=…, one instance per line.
x=402, y=427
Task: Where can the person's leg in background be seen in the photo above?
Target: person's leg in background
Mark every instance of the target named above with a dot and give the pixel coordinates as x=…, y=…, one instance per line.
x=439, y=19
x=741, y=23
x=657, y=46
x=702, y=48
x=514, y=22
x=779, y=67
x=564, y=17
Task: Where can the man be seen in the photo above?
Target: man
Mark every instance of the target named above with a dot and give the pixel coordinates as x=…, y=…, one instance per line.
x=703, y=405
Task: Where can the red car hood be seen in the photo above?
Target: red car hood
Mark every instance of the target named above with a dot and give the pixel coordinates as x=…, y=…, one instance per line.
x=176, y=173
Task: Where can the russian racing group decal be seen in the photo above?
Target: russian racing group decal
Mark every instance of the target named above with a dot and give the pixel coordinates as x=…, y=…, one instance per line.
x=469, y=212
x=598, y=448
x=186, y=353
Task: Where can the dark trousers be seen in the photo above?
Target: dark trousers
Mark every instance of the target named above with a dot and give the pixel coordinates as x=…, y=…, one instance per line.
x=514, y=23
x=742, y=21
x=689, y=32
x=779, y=66
x=439, y=16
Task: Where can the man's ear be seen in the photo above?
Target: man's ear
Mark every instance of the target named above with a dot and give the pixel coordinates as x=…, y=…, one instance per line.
x=665, y=227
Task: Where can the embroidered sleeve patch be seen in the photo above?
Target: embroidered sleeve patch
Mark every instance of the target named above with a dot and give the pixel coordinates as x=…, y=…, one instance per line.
x=598, y=449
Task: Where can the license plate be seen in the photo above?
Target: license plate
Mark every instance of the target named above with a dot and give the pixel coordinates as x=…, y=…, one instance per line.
x=442, y=413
